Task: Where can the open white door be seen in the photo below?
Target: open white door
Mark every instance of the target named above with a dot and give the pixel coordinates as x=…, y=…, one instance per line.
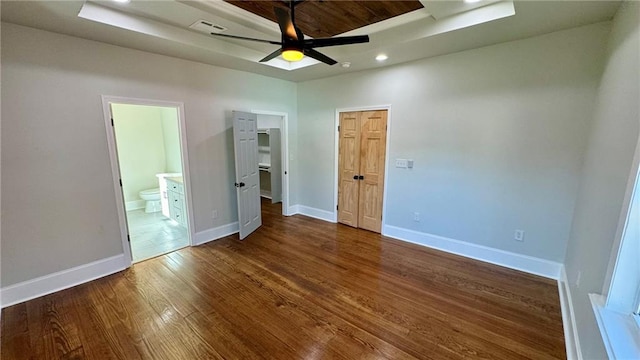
x=245, y=142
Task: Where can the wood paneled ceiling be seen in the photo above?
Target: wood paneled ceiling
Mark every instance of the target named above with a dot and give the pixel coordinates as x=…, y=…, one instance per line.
x=318, y=18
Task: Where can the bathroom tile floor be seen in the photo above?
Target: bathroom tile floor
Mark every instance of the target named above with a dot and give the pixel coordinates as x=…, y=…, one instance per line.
x=153, y=234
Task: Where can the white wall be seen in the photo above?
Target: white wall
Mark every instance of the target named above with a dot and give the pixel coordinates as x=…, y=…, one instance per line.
x=141, y=147
x=497, y=135
x=607, y=167
x=171, y=134
x=58, y=200
x=269, y=121
x=0, y=167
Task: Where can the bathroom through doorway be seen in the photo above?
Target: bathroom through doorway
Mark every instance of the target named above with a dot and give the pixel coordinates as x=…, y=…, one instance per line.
x=148, y=157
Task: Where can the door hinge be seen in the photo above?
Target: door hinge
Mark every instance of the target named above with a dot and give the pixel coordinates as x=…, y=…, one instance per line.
x=128, y=238
x=120, y=182
x=338, y=128
x=336, y=207
x=111, y=121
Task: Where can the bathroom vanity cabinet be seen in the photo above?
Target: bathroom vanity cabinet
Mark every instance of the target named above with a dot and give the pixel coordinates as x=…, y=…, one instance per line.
x=175, y=194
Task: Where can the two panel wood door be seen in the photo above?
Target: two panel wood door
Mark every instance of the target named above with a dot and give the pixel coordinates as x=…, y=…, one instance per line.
x=361, y=159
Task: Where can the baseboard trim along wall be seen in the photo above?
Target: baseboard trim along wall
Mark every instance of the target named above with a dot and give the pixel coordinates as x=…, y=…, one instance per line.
x=313, y=212
x=572, y=342
x=31, y=289
x=293, y=209
x=44, y=285
x=135, y=205
x=205, y=236
x=529, y=264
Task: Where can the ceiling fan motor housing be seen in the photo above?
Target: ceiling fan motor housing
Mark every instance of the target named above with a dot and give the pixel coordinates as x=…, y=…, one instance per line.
x=293, y=45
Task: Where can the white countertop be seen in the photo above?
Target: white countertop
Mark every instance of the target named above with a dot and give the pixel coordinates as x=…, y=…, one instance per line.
x=176, y=179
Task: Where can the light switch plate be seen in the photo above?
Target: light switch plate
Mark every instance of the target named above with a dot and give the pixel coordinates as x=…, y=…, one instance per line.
x=401, y=163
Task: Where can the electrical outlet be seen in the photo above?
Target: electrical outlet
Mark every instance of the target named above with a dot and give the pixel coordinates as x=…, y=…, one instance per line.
x=518, y=235
x=416, y=216
x=401, y=163
x=214, y=214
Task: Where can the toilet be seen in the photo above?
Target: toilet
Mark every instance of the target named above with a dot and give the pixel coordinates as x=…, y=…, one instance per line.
x=152, y=197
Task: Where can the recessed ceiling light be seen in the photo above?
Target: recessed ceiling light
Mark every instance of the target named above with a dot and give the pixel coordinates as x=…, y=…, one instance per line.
x=471, y=1
x=122, y=1
x=345, y=64
x=382, y=57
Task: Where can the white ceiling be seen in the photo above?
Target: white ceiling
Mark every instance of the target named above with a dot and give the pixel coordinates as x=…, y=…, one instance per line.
x=162, y=27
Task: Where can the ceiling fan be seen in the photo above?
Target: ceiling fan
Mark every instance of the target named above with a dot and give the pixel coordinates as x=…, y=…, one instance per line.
x=293, y=46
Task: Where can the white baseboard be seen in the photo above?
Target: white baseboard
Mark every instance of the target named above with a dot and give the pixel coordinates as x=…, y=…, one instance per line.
x=313, y=212
x=529, y=264
x=135, y=205
x=293, y=209
x=31, y=289
x=216, y=233
x=571, y=339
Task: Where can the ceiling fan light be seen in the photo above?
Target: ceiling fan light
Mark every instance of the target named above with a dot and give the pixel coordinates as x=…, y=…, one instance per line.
x=292, y=55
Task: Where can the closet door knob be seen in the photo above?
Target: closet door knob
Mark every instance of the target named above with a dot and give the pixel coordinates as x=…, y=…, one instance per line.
x=355, y=177
x=361, y=177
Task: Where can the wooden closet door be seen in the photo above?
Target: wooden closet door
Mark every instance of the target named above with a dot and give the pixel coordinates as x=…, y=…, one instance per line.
x=373, y=140
x=348, y=168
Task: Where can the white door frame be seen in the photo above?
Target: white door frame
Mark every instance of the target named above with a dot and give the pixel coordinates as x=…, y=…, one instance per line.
x=284, y=149
x=115, y=167
x=386, y=158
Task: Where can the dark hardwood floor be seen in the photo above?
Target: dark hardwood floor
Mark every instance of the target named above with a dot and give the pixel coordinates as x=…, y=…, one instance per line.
x=298, y=288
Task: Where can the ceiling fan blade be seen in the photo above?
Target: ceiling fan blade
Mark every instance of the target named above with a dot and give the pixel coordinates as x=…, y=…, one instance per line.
x=319, y=56
x=273, y=55
x=336, y=41
x=286, y=25
x=246, y=38
x=299, y=33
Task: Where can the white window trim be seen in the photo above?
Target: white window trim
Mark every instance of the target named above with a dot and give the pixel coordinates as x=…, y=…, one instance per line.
x=619, y=330
x=620, y=327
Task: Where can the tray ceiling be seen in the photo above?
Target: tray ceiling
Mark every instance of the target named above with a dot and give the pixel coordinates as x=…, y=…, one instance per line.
x=329, y=18
x=438, y=28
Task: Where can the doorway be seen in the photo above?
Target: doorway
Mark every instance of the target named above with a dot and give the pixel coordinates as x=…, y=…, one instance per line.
x=361, y=168
x=273, y=161
x=148, y=158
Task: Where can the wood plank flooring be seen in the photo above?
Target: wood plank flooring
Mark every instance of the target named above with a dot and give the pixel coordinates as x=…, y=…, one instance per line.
x=299, y=288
